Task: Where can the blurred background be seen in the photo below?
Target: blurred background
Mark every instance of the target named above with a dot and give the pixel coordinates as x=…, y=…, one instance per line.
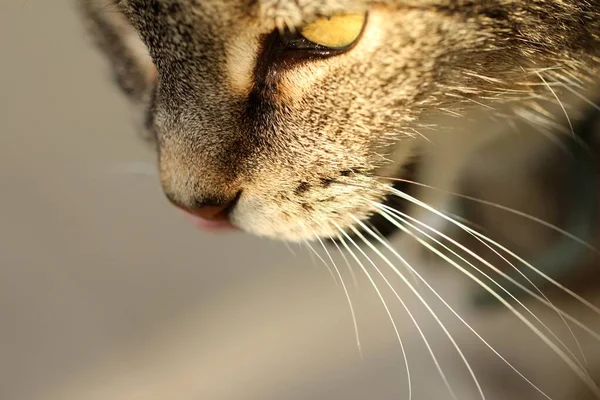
x=107, y=292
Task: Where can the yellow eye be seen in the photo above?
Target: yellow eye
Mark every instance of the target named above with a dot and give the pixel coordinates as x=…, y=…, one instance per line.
x=335, y=32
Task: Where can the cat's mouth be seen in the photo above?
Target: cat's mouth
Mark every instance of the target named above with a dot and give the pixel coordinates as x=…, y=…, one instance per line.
x=377, y=222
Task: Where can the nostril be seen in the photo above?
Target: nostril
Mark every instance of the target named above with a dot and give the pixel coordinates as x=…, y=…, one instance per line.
x=208, y=203
x=211, y=209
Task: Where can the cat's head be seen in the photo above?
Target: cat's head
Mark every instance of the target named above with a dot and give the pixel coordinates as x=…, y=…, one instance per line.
x=277, y=113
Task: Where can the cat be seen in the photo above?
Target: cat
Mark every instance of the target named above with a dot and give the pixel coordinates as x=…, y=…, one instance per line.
x=283, y=135
x=306, y=120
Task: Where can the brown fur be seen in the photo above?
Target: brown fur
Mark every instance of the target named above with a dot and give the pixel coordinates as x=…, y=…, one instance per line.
x=302, y=144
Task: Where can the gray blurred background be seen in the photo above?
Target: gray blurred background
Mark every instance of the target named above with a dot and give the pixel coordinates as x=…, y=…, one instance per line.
x=91, y=261
x=106, y=292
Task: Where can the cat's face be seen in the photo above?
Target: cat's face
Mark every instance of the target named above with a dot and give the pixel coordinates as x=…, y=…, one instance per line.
x=244, y=108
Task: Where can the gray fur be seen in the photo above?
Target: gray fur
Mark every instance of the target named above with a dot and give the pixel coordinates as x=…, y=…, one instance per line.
x=289, y=146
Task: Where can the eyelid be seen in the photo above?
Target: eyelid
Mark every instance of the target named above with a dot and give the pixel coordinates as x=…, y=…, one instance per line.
x=280, y=51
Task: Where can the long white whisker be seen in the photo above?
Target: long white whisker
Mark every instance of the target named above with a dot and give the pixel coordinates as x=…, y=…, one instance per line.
x=385, y=306
x=323, y=261
x=347, y=262
x=462, y=319
x=410, y=314
x=417, y=294
x=504, y=208
x=354, y=322
x=470, y=252
x=497, y=245
x=287, y=245
x=416, y=282
x=563, y=313
x=547, y=300
x=313, y=260
x=576, y=369
x=537, y=271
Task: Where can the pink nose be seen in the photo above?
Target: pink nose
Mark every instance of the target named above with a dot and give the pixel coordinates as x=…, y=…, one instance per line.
x=209, y=210
x=211, y=213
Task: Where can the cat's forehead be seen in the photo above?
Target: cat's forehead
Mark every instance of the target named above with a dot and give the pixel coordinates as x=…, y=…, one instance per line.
x=295, y=12
x=271, y=14
x=267, y=13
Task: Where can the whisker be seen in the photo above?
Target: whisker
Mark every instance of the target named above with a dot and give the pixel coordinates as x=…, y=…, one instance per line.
x=473, y=254
x=416, y=282
x=497, y=245
x=581, y=96
x=566, y=315
x=540, y=221
x=323, y=261
x=385, y=306
x=346, y=261
x=420, y=134
x=413, y=319
x=568, y=77
x=417, y=294
x=547, y=303
x=465, y=322
x=559, y=102
x=311, y=255
x=537, y=271
x=287, y=245
x=576, y=369
x=354, y=322
x=479, y=103
x=503, y=208
x=544, y=125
